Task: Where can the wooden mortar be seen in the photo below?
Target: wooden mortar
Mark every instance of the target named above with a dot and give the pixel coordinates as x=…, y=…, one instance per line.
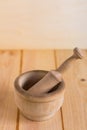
x=44, y=106
x=33, y=107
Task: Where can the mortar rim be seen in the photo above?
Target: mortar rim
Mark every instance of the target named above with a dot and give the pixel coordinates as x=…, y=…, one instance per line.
x=46, y=97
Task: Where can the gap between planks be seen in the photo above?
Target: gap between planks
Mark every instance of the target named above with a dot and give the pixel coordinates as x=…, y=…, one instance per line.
x=20, y=71
x=56, y=66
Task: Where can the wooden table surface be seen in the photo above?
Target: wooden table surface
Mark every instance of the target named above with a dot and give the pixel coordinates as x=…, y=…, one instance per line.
x=72, y=115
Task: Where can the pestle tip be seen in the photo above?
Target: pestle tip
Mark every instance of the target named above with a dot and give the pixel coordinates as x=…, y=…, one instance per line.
x=78, y=53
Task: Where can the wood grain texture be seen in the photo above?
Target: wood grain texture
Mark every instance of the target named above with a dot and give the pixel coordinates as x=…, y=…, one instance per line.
x=9, y=69
x=43, y=24
x=39, y=60
x=74, y=108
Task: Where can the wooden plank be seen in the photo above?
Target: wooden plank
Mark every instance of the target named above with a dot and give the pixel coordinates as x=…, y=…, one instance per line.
x=73, y=109
x=81, y=76
x=9, y=69
x=39, y=60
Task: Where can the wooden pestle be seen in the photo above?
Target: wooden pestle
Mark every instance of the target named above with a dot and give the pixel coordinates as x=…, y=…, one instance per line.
x=53, y=77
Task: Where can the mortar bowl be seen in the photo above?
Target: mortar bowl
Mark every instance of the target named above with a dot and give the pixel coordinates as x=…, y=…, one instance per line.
x=37, y=108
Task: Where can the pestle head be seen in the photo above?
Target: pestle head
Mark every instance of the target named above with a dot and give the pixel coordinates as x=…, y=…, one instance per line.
x=78, y=53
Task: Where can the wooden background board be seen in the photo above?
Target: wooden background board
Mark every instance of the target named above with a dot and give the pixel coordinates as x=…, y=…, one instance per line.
x=72, y=115
x=43, y=24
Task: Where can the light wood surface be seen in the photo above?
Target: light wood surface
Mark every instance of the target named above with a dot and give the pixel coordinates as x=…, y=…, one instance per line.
x=43, y=24
x=72, y=116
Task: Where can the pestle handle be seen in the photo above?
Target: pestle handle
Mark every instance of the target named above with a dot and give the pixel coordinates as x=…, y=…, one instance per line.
x=53, y=77
x=77, y=54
